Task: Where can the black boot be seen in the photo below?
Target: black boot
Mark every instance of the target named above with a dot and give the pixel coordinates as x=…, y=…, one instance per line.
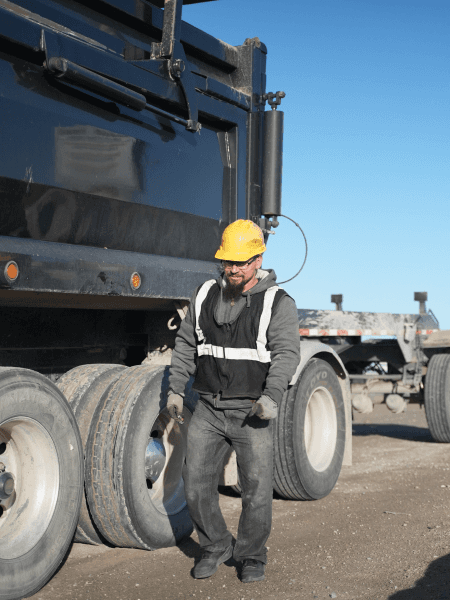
x=210, y=562
x=252, y=570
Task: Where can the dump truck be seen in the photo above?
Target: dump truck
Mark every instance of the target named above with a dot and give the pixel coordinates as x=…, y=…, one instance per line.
x=391, y=359
x=130, y=139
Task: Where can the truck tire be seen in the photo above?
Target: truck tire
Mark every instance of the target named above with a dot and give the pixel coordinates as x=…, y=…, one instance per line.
x=437, y=397
x=41, y=453
x=310, y=435
x=134, y=458
x=83, y=387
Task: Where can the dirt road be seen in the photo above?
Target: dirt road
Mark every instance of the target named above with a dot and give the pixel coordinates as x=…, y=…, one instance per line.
x=383, y=533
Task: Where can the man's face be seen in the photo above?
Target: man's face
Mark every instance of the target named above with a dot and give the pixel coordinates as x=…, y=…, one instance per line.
x=239, y=276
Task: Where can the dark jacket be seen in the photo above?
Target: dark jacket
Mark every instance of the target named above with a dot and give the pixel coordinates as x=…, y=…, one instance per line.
x=282, y=339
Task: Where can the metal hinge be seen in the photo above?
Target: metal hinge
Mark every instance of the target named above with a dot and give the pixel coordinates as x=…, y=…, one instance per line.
x=170, y=53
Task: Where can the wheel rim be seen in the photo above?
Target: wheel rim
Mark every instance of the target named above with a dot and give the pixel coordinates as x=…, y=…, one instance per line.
x=29, y=454
x=320, y=429
x=164, y=459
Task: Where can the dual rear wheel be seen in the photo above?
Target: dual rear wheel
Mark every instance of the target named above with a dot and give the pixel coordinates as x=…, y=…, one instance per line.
x=114, y=430
x=116, y=418
x=134, y=454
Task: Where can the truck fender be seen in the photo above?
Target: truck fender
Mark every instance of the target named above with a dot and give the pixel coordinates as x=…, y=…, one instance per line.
x=314, y=349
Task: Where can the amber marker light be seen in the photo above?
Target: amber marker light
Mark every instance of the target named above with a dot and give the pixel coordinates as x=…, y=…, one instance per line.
x=11, y=271
x=135, y=281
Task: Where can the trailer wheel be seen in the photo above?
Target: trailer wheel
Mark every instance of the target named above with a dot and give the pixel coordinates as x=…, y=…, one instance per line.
x=310, y=435
x=83, y=387
x=134, y=454
x=437, y=397
x=41, y=480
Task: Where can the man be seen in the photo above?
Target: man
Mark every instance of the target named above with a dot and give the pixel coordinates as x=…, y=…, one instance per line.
x=240, y=338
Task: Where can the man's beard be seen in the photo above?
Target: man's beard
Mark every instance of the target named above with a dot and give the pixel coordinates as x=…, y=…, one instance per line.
x=233, y=290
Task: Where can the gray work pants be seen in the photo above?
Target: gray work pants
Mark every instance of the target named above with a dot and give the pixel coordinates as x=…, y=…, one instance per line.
x=211, y=432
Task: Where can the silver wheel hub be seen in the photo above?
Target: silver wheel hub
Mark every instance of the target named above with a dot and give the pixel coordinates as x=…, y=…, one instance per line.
x=29, y=485
x=164, y=459
x=155, y=459
x=320, y=429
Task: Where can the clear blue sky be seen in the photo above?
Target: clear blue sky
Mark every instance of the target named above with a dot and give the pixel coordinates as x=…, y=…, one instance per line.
x=366, y=146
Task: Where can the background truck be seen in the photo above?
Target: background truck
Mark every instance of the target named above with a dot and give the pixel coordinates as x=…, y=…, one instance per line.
x=129, y=139
x=389, y=358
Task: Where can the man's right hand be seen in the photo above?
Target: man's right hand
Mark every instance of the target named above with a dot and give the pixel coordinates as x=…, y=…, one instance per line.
x=175, y=406
x=264, y=408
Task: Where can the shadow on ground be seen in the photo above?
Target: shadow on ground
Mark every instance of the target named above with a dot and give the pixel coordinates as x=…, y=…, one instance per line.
x=399, y=432
x=434, y=585
x=190, y=548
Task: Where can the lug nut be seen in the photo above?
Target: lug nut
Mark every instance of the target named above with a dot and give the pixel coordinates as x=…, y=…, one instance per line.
x=6, y=486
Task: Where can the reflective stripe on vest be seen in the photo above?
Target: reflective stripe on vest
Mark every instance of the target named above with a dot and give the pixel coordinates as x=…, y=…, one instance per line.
x=229, y=353
x=261, y=341
x=260, y=354
x=202, y=293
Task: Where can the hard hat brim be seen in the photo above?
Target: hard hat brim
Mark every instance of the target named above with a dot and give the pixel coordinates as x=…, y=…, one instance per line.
x=239, y=256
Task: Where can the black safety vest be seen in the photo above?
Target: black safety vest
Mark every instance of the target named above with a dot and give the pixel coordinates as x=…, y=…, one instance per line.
x=233, y=359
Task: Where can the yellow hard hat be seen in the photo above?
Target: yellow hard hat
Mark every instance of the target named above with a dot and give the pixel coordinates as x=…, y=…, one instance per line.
x=240, y=241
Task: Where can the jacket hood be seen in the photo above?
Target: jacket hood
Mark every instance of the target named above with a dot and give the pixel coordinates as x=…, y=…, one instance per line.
x=266, y=279
x=225, y=313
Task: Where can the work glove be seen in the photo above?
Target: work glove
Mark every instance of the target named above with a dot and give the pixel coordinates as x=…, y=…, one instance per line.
x=175, y=407
x=264, y=408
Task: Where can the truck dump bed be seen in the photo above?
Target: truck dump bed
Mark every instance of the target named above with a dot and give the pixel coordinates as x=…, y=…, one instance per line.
x=105, y=171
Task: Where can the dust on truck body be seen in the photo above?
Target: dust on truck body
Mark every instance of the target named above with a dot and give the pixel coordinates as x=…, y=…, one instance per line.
x=130, y=139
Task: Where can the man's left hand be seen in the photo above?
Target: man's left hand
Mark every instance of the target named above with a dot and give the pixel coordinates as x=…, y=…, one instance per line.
x=264, y=408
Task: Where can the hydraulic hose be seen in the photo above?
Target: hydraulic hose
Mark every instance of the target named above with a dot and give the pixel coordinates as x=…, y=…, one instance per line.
x=306, y=249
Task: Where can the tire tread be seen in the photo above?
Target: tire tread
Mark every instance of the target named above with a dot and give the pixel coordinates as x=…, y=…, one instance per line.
x=84, y=387
x=288, y=481
x=437, y=397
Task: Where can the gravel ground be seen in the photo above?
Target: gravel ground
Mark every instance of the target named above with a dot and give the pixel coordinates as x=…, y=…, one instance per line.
x=383, y=533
